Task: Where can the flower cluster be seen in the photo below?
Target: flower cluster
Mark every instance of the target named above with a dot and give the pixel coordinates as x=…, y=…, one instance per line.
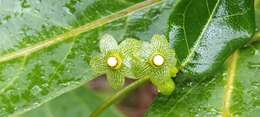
x=136, y=59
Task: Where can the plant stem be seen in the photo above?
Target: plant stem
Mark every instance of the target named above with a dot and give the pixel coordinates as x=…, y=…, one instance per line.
x=119, y=95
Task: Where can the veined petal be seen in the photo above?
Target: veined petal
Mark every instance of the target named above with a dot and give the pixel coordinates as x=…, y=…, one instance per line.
x=146, y=51
x=107, y=43
x=98, y=64
x=141, y=69
x=160, y=41
x=116, y=79
x=129, y=46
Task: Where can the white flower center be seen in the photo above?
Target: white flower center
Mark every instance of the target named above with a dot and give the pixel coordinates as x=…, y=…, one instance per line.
x=112, y=61
x=158, y=60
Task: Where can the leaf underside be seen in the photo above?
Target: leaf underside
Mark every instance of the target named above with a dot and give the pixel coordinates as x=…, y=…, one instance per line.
x=80, y=103
x=46, y=46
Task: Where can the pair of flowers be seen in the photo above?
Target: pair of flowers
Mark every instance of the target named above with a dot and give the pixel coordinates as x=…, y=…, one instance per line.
x=136, y=59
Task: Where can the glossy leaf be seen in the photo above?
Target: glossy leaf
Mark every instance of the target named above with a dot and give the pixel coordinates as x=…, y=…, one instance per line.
x=46, y=46
x=205, y=32
x=235, y=93
x=80, y=103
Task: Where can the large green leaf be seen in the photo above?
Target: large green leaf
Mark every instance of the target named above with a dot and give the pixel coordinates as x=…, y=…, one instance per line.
x=205, y=32
x=234, y=93
x=77, y=103
x=257, y=13
x=45, y=45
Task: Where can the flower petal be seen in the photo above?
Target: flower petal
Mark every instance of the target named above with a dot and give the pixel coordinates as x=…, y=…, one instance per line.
x=146, y=51
x=98, y=65
x=159, y=42
x=107, y=43
x=129, y=46
x=116, y=79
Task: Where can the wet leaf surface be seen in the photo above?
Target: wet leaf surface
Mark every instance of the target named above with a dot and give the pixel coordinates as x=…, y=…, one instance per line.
x=46, y=46
x=235, y=92
x=205, y=32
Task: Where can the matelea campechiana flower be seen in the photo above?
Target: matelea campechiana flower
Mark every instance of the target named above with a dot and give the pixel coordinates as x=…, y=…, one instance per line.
x=115, y=60
x=156, y=61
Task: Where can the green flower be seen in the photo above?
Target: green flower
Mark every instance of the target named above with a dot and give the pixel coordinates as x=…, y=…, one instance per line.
x=156, y=61
x=114, y=60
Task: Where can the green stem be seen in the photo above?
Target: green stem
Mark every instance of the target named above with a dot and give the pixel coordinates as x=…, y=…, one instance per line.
x=119, y=95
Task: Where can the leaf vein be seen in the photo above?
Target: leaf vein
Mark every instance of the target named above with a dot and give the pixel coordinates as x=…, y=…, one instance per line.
x=77, y=31
x=196, y=45
x=230, y=82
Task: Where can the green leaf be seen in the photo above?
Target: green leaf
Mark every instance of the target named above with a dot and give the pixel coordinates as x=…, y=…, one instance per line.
x=205, y=32
x=257, y=13
x=79, y=103
x=235, y=93
x=46, y=46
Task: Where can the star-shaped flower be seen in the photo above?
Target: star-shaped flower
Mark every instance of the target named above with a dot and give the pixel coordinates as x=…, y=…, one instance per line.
x=156, y=61
x=115, y=60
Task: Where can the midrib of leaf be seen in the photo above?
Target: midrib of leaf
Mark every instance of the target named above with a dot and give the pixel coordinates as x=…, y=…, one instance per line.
x=196, y=45
x=77, y=31
x=230, y=83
